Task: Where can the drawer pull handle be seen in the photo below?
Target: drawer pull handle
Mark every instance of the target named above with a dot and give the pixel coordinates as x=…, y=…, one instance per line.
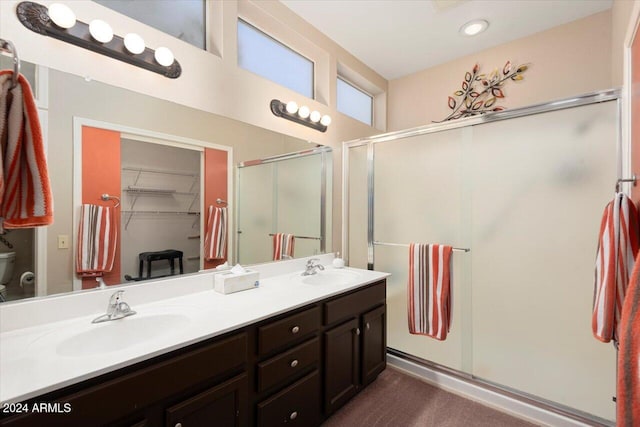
x=293, y=415
x=294, y=363
x=357, y=331
x=368, y=325
x=295, y=329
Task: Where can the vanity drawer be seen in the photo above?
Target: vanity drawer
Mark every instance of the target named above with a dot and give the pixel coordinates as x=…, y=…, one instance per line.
x=355, y=303
x=288, y=330
x=283, y=366
x=296, y=405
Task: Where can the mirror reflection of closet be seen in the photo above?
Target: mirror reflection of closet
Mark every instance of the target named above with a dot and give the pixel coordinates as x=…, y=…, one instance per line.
x=160, y=205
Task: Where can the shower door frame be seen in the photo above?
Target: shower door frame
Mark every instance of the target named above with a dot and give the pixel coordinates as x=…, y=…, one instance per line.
x=623, y=170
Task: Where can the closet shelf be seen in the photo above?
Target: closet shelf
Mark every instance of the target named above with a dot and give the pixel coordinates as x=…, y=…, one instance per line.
x=160, y=171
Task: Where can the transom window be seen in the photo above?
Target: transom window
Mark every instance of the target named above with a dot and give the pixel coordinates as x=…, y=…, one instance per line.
x=267, y=57
x=184, y=19
x=354, y=102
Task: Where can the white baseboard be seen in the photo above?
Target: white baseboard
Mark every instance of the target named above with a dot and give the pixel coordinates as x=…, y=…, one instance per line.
x=483, y=395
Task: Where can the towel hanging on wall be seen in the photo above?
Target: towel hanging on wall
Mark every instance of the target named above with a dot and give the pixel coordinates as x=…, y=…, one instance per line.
x=215, y=240
x=429, y=290
x=628, y=387
x=97, y=239
x=617, y=249
x=283, y=244
x=25, y=191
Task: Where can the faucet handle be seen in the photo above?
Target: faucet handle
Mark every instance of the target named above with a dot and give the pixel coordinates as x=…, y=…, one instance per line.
x=115, y=297
x=311, y=262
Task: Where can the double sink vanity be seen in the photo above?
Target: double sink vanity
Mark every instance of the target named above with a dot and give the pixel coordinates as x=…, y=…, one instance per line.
x=290, y=352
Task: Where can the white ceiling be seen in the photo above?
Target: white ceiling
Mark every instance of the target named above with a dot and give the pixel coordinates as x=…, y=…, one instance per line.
x=401, y=37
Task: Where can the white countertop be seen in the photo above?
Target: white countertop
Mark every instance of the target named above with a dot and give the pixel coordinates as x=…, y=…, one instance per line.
x=30, y=364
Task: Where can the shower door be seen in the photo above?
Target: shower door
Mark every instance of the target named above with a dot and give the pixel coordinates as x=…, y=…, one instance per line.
x=526, y=195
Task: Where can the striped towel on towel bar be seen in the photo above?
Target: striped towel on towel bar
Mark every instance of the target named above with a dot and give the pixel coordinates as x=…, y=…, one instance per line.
x=25, y=191
x=97, y=240
x=429, y=290
x=283, y=246
x=215, y=240
x=617, y=249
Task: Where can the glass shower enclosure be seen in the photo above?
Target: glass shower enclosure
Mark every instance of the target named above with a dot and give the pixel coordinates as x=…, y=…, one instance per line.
x=525, y=191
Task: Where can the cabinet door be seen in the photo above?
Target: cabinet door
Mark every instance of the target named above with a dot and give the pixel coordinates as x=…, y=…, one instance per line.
x=341, y=364
x=224, y=405
x=374, y=344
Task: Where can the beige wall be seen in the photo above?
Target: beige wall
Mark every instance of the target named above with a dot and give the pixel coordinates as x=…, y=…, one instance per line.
x=568, y=60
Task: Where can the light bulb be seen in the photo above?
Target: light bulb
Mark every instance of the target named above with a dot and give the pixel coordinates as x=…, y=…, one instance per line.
x=62, y=16
x=304, y=112
x=325, y=120
x=315, y=116
x=134, y=43
x=101, y=31
x=292, y=107
x=164, y=56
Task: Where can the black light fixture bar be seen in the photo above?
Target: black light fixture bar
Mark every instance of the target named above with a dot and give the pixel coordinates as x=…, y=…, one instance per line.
x=35, y=17
x=279, y=109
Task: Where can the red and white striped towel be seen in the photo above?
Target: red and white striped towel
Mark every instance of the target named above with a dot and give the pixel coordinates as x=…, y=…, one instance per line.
x=429, y=290
x=628, y=387
x=215, y=240
x=617, y=249
x=97, y=240
x=283, y=246
x=25, y=191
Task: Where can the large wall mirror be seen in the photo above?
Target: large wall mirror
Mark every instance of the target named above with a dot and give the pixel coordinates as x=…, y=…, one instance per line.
x=167, y=167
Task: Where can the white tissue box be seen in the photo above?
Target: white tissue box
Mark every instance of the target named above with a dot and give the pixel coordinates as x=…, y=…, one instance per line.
x=228, y=282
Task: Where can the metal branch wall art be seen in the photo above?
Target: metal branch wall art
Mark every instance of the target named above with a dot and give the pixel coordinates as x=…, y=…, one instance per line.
x=480, y=93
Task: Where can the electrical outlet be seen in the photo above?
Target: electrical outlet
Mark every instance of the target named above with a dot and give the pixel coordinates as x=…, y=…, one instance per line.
x=63, y=241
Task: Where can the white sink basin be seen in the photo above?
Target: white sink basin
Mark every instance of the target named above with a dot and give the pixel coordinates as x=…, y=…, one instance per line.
x=84, y=339
x=331, y=277
x=119, y=334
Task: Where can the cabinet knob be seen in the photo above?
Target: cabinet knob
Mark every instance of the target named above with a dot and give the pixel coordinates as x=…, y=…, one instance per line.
x=294, y=363
x=178, y=424
x=357, y=331
x=368, y=325
x=295, y=329
x=293, y=415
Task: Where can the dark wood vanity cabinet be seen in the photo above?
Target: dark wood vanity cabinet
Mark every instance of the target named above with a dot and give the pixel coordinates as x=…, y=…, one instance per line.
x=355, y=349
x=294, y=369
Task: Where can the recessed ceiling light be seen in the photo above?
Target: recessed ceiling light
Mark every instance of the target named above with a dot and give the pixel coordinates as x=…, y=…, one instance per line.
x=474, y=27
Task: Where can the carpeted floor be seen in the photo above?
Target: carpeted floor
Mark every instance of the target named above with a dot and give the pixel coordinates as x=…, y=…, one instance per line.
x=399, y=400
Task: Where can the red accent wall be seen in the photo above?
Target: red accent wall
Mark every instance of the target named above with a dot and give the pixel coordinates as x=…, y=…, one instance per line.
x=101, y=174
x=635, y=113
x=215, y=186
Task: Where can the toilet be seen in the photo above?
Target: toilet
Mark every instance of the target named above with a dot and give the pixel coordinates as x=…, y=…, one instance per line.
x=7, y=260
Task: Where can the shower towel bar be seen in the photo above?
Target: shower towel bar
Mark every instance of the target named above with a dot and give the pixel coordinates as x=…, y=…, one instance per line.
x=621, y=180
x=406, y=245
x=301, y=237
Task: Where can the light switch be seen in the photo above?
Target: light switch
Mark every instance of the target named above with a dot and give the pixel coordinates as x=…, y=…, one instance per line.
x=63, y=241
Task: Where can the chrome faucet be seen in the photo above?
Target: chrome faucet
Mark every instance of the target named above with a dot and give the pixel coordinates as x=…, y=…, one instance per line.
x=313, y=265
x=117, y=309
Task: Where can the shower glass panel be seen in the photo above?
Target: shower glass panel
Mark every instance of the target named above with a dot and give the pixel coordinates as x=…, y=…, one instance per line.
x=540, y=184
x=256, y=204
x=418, y=198
x=298, y=209
x=526, y=195
x=283, y=195
x=357, y=256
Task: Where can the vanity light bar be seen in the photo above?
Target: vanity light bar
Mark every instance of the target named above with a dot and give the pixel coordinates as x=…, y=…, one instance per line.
x=36, y=17
x=302, y=115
